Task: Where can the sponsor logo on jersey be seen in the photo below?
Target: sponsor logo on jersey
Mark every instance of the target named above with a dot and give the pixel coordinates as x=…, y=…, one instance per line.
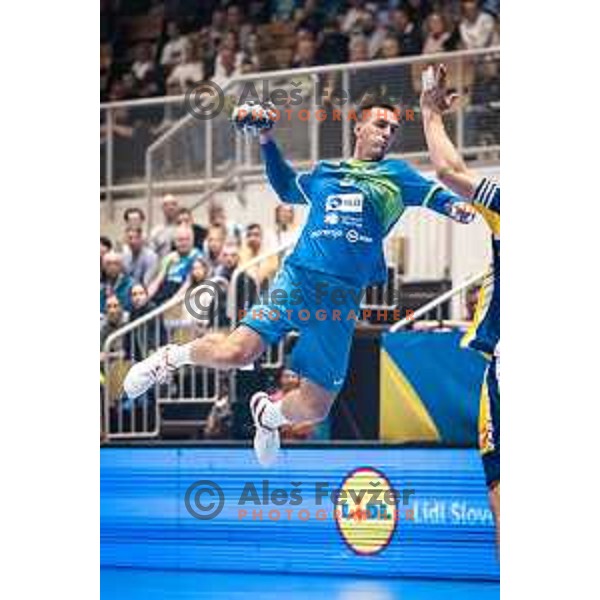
x=347, y=203
x=353, y=236
x=332, y=218
x=327, y=233
x=350, y=221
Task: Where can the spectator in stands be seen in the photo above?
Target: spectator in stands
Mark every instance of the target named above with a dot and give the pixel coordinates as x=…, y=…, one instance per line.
x=143, y=65
x=218, y=26
x=171, y=113
x=333, y=44
x=148, y=337
x=175, y=267
x=305, y=55
x=437, y=34
x=123, y=133
x=253, y=247
x=419, y=11
x=185, y=217
x=232, y=42
x=189, y=71
x=219, y=423
x=173, y=50
x=393, y=82
x=361, y=81
x=214, y=245
x=310, y=17
x=286, y=229
x=114, y=319
x=218, y=217
x=200, y=272
x=134, y=217
x=246, y=291
x=368, y=26
x=359, y=49
x=222, y=68
x=477, y=28
x=116, y=282
x=216, y=307
x=105, y=246
x=251, y=53
x=353, y=15
x=409, y=35
x=162, y=236
x=287, y=381
x=234, y=22
x=390, y=47
x=139, y=260
x=225, y=61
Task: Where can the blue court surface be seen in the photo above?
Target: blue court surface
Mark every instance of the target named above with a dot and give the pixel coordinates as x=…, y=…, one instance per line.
x=121, y=584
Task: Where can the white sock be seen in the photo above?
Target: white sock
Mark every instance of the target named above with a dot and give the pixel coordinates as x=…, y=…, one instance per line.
x=181, y=355
x=273, y=417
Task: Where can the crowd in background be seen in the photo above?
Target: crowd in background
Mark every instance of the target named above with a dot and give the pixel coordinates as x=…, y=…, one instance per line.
x=158, y=47
x=139, y=272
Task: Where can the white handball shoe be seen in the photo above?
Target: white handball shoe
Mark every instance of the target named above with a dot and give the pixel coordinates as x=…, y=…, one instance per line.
x=150, y=371
x=266, y=439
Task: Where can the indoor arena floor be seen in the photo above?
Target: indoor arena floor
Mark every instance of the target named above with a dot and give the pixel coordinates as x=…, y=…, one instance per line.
x=127, y=584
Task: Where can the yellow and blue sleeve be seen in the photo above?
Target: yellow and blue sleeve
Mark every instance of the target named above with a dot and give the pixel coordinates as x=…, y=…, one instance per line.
x=487, y=202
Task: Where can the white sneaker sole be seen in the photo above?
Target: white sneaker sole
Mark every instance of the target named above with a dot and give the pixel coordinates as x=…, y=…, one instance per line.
x=266, y=441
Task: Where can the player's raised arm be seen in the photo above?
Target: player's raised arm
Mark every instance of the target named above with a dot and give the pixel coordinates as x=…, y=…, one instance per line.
x=282, y=177
x=260, y=118
x=448, y=163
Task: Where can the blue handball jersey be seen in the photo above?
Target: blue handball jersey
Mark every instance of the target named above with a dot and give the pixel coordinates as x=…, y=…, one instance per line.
x=484, y=333
x=353, y=206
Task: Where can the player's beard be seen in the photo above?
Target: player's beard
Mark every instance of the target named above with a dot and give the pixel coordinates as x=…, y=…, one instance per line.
x=379, y=150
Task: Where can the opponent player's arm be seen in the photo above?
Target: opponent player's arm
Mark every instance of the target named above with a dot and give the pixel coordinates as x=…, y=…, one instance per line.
x=448, y=163
x=281, y=175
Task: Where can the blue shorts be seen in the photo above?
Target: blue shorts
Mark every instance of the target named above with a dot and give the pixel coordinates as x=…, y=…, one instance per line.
x=323, y=309
x=489, y=424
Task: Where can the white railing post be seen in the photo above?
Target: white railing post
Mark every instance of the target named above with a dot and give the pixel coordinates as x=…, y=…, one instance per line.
x=314, y=124
x=346, y=136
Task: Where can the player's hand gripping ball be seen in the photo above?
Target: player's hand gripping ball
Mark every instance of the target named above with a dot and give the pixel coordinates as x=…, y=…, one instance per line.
x=254, y=117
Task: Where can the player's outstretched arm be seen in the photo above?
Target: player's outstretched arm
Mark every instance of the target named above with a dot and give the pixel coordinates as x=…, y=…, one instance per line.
x=449, y=165
x=419, y=191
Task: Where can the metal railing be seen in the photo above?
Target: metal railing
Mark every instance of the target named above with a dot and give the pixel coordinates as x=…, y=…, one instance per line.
x=124, y=418
x=439, y=301
x=155, y=144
